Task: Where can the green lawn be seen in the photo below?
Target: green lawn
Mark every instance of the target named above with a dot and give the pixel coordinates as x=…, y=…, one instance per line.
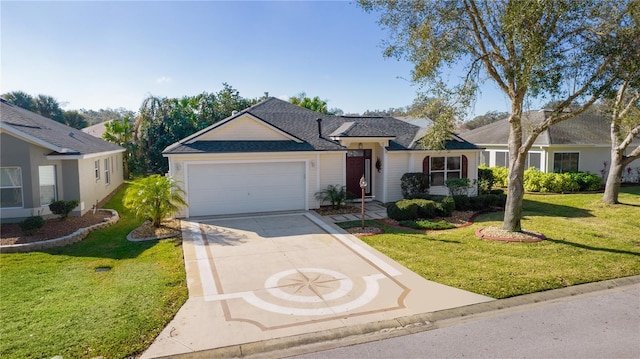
x=587, y=241
x=54, y=302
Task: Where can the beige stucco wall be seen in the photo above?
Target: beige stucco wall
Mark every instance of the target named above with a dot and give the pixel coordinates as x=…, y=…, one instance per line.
x=70, y=178
x=93, y=191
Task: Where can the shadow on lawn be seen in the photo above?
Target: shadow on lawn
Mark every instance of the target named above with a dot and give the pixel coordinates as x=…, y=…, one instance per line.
x=591, y=248
x=535, y=208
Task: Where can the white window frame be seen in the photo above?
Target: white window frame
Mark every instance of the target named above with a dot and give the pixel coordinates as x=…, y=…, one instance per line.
x=21, y=187
x=55, y=185
x=446, y=170
x=107, y=174
x=528, y=163
x=553, y=164
x=485, y=158
x=96, y=169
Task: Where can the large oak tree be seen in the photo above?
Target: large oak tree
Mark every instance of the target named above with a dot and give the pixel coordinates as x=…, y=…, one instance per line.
x=565, y=49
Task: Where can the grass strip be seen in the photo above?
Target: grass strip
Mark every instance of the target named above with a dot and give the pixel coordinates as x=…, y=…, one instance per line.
x=587, y=241
x=54, y=302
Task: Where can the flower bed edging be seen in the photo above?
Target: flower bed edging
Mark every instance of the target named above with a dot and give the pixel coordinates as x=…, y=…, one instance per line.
x=74, y=237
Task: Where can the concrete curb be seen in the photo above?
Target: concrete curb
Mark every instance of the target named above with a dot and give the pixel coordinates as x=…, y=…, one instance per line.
x=74, y=237
x=357, y=334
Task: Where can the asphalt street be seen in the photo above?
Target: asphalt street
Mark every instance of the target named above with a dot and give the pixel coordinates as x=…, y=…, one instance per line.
x=604, y=324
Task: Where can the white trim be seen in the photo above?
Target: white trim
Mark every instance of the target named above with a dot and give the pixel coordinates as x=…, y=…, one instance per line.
x=186, y=164
x=84, y=157
x=352, y=139
x=21, y=189
x=385, y=177
x=199, y=154
x=317, y=173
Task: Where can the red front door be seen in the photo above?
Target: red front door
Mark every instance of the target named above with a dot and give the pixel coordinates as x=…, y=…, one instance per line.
x=358, y=164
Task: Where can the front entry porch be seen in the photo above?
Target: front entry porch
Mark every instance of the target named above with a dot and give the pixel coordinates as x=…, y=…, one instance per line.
x=358, y=164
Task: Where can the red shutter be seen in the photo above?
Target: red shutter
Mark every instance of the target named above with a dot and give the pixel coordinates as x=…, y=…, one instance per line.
x=425, y=165
x=465, y=164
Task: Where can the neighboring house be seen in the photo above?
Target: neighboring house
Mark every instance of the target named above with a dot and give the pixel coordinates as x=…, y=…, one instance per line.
x=42, y=161
x=275, y=156
x=582, y=143
x=96, y=130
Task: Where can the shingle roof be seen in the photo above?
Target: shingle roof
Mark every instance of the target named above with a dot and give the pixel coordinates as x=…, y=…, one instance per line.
x=584, y=129
x=60, y=138
x=301, y=123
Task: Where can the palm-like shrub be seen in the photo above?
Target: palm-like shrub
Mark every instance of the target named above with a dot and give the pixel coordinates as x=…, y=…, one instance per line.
x=154, y=198
x=335, y=194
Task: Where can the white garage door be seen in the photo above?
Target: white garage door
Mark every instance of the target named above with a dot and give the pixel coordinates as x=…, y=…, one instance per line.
x=216, y=189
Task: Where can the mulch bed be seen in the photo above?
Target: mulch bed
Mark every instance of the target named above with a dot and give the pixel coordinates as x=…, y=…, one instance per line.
x=168, y=227
x=499, y=234
x=10, y=233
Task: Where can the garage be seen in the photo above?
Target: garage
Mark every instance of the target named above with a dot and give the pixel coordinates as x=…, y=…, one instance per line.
x=232, y=188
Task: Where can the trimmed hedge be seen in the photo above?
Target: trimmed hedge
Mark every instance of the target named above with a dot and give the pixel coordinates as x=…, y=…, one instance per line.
x=412, y=209
x=537, y=181
x=446, y=206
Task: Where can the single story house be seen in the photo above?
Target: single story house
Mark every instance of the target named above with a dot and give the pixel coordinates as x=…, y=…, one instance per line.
x=582, y=143
x=275, y=156
x=42, y=161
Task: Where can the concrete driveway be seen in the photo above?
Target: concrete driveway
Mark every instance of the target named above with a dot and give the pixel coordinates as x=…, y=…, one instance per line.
x=258, y=278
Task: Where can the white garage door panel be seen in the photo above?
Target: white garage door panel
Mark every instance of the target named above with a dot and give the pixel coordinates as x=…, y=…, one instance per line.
x=243, y=188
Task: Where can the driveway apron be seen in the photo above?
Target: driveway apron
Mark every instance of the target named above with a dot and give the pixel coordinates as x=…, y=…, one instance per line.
x=263, y=277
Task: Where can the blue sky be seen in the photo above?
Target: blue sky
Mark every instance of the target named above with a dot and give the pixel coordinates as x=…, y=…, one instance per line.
x=114, y=54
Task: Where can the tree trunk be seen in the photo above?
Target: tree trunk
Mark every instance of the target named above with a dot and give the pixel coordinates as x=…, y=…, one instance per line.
x=515, y=187
x=515, y=195
x=612, y=187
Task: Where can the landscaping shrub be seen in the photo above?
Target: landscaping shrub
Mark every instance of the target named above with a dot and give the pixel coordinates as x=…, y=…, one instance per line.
x=446, y=207
x=334, y=193
x=562, y=182
x=458, y=186
x=500, y=176
x=431, y=197
x=461, y=203
x=411, y=209
x=586, y=181
x=537, y=181
x=413, y=183
x=63, y=208
x=485, y=180
x=31, y=224
x=496, y=191
x=478, y=203
x=403, y=210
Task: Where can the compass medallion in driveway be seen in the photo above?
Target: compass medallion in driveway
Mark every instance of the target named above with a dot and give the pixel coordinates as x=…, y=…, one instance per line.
x=264, y=277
